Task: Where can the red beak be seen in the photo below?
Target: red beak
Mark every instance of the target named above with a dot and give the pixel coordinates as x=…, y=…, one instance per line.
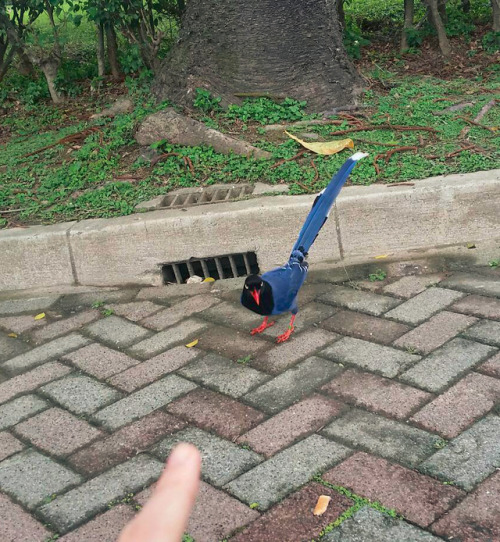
x=256, y=295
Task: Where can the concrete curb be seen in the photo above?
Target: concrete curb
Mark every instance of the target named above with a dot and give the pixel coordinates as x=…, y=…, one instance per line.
x=434, y=213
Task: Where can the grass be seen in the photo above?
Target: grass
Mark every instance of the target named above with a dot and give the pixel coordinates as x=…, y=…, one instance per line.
x=104, y=175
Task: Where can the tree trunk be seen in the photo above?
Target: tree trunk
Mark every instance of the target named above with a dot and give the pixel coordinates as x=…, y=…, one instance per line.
x=260, y=46
x=437, y=22
x=495, y=5
x=341, y=13
x=113, y=52
x=100, y=50
x=6, y=57
x=408, y=23
x=49, y=67
x=25, y=65
x=466, y=6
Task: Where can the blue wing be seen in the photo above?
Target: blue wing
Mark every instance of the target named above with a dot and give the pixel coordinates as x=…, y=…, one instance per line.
x=286, y=282
x=323, y=204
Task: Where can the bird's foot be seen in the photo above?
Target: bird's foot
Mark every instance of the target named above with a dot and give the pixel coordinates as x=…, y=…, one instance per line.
x=285, y=336
x=265, y=324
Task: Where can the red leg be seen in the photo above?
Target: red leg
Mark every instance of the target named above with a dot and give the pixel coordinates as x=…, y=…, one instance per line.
x=265, y=324
x=285, y=336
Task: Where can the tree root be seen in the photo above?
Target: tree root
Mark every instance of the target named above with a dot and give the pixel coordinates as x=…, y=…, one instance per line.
x=73, y=138
x=187, y=161
x=282, y=161
x=385, y=127
x=387, y=155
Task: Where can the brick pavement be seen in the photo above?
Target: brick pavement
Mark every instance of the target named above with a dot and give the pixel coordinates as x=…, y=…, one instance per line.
x=386, y=399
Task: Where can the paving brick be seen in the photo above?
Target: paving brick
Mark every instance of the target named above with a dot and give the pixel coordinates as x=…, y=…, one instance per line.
x=287, y=354
x=418, y=498
x=57, y=432
x=364, y=326
x=366, y=355
x=9, y=445
x=293, y=520
x=477, y=305
x=371, y=525
x=231, y=343
x=477, y=517
x=474, y=283
x=292, y=385
x=312, y=291
x=32, y=380
x=216, y=515
x=412, y=285
x=100, y=361
x=232, y=315
x=435, y=332
x=164, y=340
x=485, y=331
x=390, y=439
x=444, y=365
x=461, y=405
x=215, y=412
x=101, y=295
x=285, y=472
x=125, y=443
x=492, y=366
x=81, y=503
x=144, y=401
x=136, y=310
x=117, y=331
x=81, y=394
x=152, y=369
x=179, y=311
x=310, y=314
x=105, y=527
x=357, y=300
x=376, y=393
x=469, y=458
x=173, y=291
x=223, y=375
x=20, y=324
x=19, y=409
x=18, y=525
x=424, y=305
x=17, y=306
x=295, y=422
x=30, y=477
x=11, y=347
x=61, y=327
x=47, y=351
x=222, y=460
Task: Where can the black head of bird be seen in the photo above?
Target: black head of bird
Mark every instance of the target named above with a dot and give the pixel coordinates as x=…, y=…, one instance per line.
x=257, y=295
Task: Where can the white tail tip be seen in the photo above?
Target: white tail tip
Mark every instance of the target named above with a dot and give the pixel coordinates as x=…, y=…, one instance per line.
x=358, y=156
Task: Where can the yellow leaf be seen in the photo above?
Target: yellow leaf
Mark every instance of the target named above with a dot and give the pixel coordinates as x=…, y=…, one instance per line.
x=381, y=257
x=194, y=343
x=209, y=279
x=325, y=147
x=40, y=316
x=13, y=335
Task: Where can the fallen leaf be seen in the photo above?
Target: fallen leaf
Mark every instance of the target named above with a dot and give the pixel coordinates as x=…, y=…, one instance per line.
x=12, y=335
x=325, y=147
x=40, y=316
x=471, y=245
x=209, y=279
x=194, y=343
x=322, y=505
x=381, y=257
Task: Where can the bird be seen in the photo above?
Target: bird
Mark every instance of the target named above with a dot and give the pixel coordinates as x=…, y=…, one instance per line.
x=275, y=292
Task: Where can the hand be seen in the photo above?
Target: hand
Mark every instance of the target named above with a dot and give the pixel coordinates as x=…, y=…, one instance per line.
x=164, y=517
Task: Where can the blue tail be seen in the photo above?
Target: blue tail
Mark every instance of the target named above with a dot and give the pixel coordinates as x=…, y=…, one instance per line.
x=323, y=204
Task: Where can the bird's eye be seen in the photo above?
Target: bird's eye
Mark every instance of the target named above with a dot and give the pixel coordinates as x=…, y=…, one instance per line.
x=261, y=284
x=246, y=287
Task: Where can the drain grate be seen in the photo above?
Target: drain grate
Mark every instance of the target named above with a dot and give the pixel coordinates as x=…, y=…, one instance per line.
x=217, y=267
x=211, y=194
